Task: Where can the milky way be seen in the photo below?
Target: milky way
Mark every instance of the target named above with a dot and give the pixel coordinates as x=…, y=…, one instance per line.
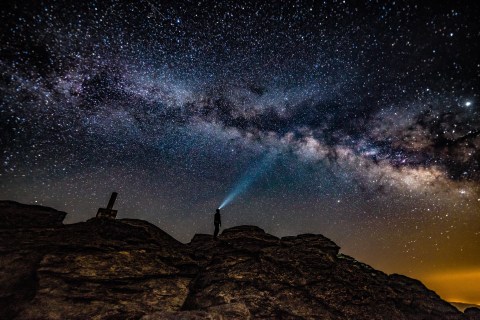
x=372, y=113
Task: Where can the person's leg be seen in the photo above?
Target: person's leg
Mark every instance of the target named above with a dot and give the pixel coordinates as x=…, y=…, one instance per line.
x=215, y=234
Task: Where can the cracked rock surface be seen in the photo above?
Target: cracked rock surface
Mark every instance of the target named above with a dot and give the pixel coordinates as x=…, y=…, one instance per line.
x=130, y=269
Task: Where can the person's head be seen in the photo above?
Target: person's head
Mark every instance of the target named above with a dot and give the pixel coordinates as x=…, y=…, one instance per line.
x=218, y=211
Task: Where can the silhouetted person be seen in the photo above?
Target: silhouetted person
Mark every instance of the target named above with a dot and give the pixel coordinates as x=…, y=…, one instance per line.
x=217, y=222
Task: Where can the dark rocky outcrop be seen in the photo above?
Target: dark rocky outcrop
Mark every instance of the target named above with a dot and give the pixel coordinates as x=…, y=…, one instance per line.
x=130, y=269
x=18, y=215
x=472, y=313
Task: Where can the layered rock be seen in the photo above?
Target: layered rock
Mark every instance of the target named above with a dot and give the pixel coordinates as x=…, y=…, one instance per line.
x=251, y=273
x=130, y=269
x=96, y=269
x=17, y=215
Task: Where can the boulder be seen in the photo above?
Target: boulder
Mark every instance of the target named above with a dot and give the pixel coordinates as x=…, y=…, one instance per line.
x=472, y=313
x=17, y=215
x=130, y=269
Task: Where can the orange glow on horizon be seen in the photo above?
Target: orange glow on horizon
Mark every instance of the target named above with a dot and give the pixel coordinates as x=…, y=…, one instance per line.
x=455, y=286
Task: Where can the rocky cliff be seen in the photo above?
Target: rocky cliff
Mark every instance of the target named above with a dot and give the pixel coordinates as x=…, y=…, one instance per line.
x=130, y=269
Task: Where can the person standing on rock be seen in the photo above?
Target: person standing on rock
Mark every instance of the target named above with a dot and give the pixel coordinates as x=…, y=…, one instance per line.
x=217, y=221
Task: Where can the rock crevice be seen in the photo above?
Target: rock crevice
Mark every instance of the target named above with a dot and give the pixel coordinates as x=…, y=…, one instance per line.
x=130, y=269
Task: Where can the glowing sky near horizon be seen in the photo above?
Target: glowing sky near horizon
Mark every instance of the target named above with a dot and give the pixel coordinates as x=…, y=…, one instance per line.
x=372, y=112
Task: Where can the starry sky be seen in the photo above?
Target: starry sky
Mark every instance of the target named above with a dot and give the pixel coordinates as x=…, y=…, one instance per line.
x=359, y=121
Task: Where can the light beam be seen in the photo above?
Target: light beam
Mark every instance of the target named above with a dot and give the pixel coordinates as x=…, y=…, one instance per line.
x=253, y=174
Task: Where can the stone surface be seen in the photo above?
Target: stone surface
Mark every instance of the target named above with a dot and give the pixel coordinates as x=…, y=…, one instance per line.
x=130, y=269
x=472, y=313
x=17, y=215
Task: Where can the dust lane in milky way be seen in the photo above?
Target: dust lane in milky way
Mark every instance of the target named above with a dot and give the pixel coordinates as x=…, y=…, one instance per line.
x=370, y=113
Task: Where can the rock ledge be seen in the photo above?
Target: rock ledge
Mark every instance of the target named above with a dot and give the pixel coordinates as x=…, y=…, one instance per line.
x=130, y=269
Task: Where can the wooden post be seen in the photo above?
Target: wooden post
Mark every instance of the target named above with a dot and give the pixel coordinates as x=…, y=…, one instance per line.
x=113, y=197
x=108, y=212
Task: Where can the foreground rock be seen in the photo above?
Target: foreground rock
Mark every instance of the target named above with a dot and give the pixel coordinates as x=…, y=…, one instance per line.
x=472, y=313
x=18, y=215
x=130, y=269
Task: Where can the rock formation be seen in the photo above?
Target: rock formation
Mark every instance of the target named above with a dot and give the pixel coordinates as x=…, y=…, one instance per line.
x=17, y=215
x=130, y=269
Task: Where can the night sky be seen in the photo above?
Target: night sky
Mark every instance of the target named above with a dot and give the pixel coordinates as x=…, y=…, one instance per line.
x=359, y=121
